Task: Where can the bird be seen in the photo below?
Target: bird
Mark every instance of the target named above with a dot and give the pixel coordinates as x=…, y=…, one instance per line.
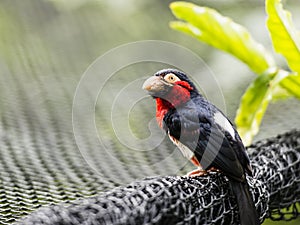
x=203, y=133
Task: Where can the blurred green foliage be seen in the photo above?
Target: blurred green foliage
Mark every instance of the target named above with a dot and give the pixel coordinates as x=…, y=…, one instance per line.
x=270, y=222
x=273, y=83
x=210, y=27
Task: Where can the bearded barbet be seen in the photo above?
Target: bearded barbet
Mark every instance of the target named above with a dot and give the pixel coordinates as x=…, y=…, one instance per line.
x=203, y=133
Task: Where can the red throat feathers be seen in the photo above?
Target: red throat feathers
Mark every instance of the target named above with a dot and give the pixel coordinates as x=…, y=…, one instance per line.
x=179, y=94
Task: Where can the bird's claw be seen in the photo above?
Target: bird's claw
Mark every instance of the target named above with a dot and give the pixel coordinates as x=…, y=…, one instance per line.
x=196, y=173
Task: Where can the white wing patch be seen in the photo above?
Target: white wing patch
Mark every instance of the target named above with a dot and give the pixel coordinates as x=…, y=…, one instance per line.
x=223, y=122
x=184, y=150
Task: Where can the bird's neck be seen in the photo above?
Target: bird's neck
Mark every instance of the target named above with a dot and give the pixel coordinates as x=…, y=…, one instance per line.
x=176, y=97
x=162, y=107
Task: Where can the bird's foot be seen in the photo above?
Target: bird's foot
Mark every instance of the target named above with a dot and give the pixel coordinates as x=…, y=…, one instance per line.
x=197, y=173
x=213, y=169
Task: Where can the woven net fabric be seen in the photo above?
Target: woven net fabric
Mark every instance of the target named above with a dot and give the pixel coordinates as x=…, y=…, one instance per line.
x=156, y=200
x=202, y=200
x=40, y=164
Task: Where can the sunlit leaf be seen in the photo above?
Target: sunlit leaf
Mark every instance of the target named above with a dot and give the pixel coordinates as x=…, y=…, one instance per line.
x=285, y=37
x=255, y=102
x=210, y=27
x=292, y=84
x=280, y=93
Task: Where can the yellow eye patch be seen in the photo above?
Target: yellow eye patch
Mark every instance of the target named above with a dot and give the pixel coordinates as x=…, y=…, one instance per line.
x=171, y=78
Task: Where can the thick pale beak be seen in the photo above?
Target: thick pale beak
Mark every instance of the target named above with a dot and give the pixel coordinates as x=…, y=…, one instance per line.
x=156, y=86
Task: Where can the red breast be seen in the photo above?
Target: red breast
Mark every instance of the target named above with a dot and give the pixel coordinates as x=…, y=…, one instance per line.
x=177, y=96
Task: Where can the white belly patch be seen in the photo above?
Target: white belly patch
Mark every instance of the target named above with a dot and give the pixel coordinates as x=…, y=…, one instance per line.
x=184, y=150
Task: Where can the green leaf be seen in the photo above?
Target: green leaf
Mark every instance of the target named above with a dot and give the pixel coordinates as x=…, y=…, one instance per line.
x=285, y=37
x=255, y=102
x=292, y=84
x=280, y=93
x=210, y=27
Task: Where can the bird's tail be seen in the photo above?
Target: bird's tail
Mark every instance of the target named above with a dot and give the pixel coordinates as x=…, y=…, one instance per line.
x=247, y=211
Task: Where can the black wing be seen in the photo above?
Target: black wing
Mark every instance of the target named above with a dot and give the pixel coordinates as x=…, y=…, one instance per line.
x=194, y=126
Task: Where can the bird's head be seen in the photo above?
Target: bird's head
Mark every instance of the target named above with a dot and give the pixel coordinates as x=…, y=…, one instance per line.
x=170, y=85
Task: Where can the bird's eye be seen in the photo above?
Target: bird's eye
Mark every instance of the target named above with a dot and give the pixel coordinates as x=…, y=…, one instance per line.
x=171, y=78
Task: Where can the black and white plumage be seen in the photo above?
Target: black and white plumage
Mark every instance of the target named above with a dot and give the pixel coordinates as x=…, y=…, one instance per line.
x=202, y=128
x=203, y=134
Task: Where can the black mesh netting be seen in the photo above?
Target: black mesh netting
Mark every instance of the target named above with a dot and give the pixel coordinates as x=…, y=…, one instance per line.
x=176, y=200
x=40, y=164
